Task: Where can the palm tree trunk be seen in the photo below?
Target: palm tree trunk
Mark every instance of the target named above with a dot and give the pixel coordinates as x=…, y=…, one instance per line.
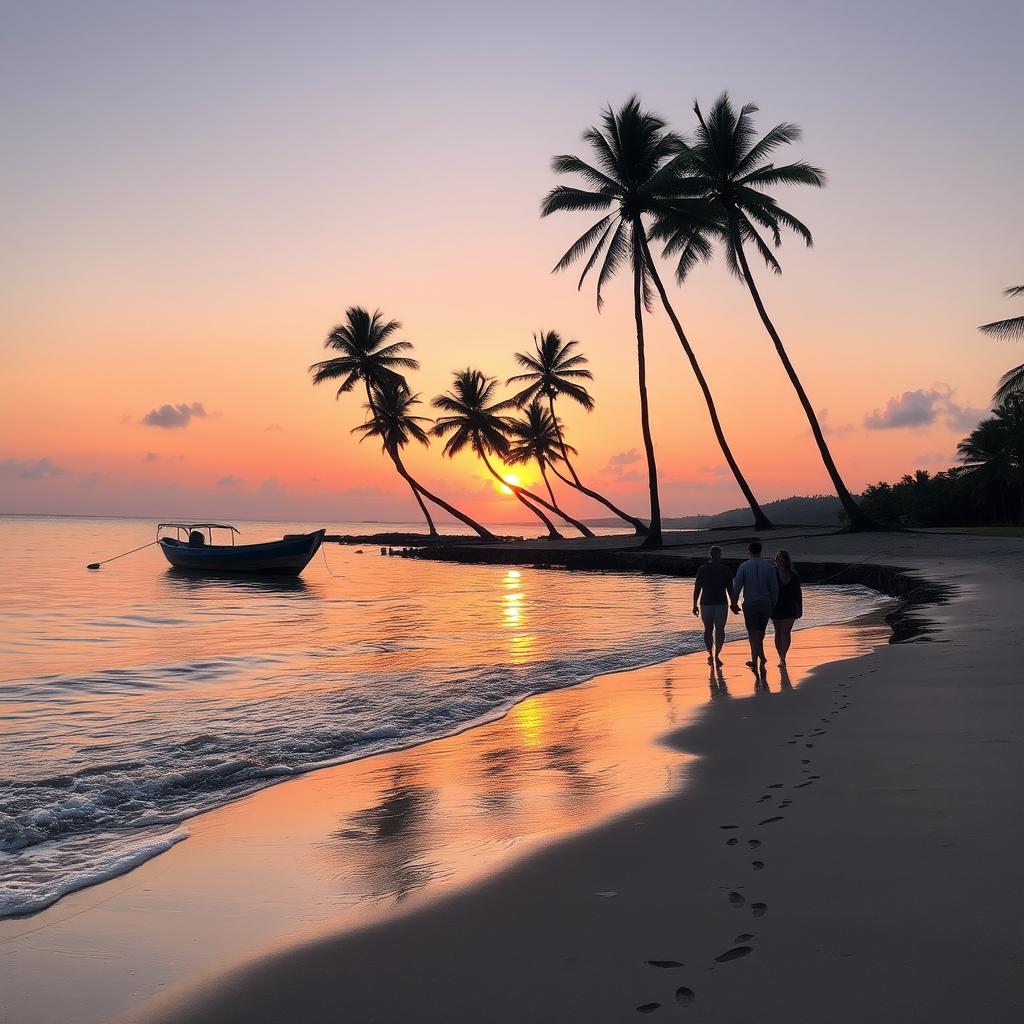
x=481, y=531
x=761, y=521
x=552, y=532
x=653, y=538
x=857, y=519
x=416, y=495
x=587, y=532
x=393, y=453
x=639, y=526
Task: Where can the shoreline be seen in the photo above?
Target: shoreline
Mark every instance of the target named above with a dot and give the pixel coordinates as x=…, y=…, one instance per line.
x=174, y=829
x=877, y=890
x=194, y=905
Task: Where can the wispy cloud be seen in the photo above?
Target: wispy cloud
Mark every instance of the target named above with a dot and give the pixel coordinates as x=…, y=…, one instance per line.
x=833, y=429
x=923, y=408
x=230, y=481
x=171, y=417
x=616, y=466
x=31, y=469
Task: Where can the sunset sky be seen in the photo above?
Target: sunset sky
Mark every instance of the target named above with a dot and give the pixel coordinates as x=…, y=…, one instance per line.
x=192, y=194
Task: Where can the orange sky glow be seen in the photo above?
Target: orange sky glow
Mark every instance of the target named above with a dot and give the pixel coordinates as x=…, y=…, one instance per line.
x=187, y=228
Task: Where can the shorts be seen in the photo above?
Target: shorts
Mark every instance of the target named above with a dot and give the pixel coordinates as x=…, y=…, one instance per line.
x=756, y=615
x=714, y=615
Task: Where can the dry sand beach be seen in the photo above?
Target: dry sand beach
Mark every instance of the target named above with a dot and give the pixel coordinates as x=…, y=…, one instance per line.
x=843, y=850
x=877, y=821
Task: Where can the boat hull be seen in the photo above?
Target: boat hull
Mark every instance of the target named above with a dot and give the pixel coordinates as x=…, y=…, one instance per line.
x=286, y=557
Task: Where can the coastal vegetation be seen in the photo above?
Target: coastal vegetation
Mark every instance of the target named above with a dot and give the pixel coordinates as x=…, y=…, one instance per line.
x=986, y=488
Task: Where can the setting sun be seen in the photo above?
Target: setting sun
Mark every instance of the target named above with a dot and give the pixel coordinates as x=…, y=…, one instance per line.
x=510, y=478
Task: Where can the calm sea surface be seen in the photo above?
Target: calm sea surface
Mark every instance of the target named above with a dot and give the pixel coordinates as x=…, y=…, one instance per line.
x=132, y=698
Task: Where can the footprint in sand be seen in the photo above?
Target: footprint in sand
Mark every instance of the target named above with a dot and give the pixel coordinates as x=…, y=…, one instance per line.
x=731, y=842
x=809, y=746
x=685, y=996
x=800, y=785
x=648, y=1007
x=771, y=820
x=736, y=953
x=757, y=865
x=745, y=937
x=758, y=909
x=737, y=899
x=783, y=804
x=728, y=826
x=775, y=785
x=754, y=844
x=762, y=799
x=665, y=964
x=805, y=760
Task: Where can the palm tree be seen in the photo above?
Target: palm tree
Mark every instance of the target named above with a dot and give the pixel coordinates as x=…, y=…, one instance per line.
x=632, y=150
x=367, y=356
x=476, y=421
x=389, y=416
x=538, y=437
x=1011, y=382
x=725, y=165
x=636, y=175
x=553, y=370
x=993, y=457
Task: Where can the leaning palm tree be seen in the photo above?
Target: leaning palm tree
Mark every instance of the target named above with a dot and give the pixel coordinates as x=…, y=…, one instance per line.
x=554, y=370
x=538, y=438
x=478, y=422
x=390, y=417
x=635, y=176
x=632, y=151
x=368, y=357
x=1011, y=382
x=993, y=457
x=725, y=166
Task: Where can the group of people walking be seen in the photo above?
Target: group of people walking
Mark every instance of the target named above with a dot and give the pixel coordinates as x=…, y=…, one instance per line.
x=771, y=591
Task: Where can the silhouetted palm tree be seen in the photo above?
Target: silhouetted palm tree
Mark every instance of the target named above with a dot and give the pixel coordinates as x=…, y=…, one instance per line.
x=553, y=370
x=635, y=176
x=537, y=438
x=725, y=164
x=1011, y=382
x=993, y=457
x=364, y=355
x=632, y=150
x=476, y=421
x=390, y=417
x=367, y=357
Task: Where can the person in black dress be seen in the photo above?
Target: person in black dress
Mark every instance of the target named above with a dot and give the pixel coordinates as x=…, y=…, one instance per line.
x=790, y=605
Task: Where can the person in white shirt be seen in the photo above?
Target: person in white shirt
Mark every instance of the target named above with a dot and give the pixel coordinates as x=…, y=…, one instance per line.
x=757, y=580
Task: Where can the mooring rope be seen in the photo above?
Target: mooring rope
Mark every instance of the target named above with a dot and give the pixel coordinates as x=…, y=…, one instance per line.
x=96, y=565
x=336, y=575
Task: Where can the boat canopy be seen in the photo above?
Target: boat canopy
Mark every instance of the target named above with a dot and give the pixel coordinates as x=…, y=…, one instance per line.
x=197, y=526
x=188, y=528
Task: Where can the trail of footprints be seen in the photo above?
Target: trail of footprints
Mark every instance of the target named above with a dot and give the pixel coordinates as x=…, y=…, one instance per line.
x=741, y=948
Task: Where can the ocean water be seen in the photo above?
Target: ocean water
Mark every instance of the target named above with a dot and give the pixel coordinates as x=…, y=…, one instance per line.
x=132, y=698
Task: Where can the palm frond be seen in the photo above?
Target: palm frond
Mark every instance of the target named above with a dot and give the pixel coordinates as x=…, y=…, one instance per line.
x=1012, y=328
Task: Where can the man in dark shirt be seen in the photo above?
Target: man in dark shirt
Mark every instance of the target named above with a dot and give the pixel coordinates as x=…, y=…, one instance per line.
x=713, y=589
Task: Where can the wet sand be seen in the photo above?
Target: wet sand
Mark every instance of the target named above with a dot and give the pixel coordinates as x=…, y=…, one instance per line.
x=393, y=836
x=847, y=851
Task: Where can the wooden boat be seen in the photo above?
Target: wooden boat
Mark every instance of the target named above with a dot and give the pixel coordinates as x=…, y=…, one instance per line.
x=192, y=550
